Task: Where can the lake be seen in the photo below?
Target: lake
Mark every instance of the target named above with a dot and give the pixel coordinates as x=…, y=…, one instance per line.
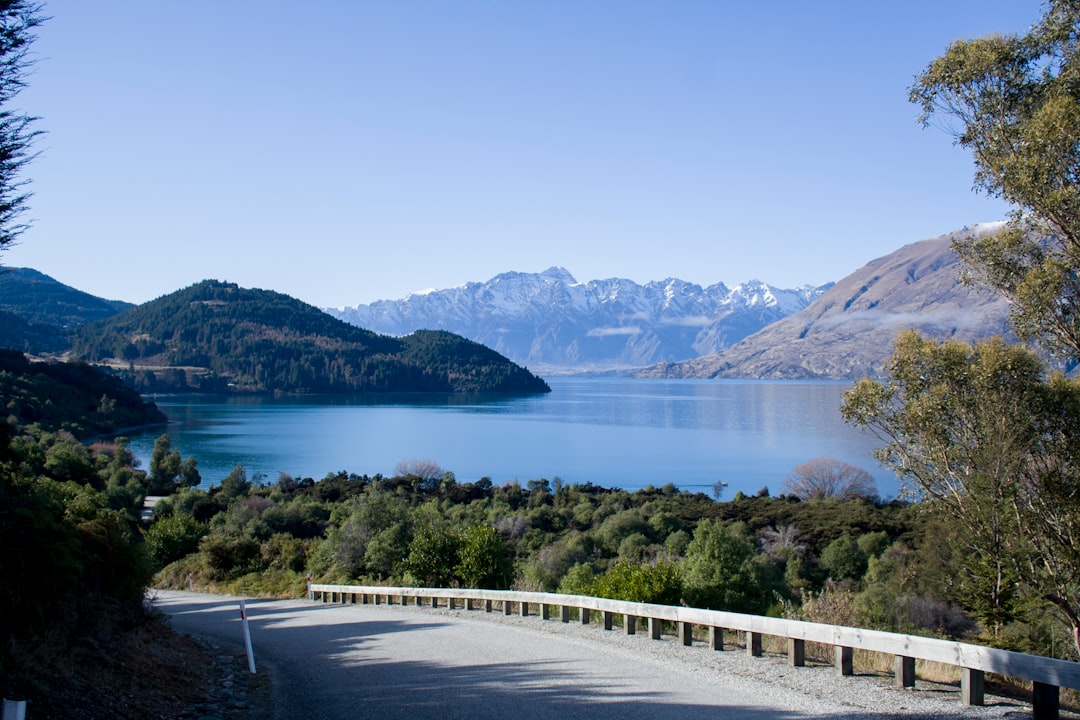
x=615, y=432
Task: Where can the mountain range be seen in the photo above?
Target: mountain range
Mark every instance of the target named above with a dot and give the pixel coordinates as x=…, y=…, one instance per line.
x=554, y=324
x=849, y=331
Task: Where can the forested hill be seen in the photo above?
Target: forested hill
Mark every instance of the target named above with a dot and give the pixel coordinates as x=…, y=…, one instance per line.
x=69, y=396
x=41, y=300
x=216, y=336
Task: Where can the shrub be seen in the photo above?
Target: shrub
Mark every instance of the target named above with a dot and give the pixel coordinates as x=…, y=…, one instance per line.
x=173, y=537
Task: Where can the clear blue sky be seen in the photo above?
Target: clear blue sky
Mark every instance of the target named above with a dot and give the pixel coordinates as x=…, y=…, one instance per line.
x=348, y=151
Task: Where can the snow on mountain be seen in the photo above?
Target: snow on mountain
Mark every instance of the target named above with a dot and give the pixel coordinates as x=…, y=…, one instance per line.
x=849, y=331
x=553, y=323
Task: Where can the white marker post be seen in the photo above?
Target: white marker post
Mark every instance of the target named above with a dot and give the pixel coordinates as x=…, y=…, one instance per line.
x=247, y=638
x=14, y=709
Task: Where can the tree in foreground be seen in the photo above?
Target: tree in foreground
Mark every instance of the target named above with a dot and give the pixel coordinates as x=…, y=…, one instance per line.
x=1014, y=101
x=823, y=478
x=18, y=18
x=993, y=446
x=982, y=433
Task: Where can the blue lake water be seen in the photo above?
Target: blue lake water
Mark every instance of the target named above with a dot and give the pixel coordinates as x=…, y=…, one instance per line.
x=608, y=431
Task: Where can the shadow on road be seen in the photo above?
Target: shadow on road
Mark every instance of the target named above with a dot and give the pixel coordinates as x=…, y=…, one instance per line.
x=332, y=661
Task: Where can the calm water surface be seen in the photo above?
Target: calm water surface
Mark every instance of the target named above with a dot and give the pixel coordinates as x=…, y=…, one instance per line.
x=608, y=431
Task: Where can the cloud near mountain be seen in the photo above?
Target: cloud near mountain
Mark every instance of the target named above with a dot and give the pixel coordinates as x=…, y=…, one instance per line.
x=848, y=332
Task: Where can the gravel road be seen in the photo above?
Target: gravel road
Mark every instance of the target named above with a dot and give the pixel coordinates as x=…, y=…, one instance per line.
x=335, y=661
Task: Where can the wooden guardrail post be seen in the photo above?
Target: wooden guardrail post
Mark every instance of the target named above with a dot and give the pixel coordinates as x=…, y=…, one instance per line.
x=1048, y=675
x=686, y=633
x=1045, y=701
x=972, y=687
x=796, y=652
x=904, y=671
x=844, y=660
x=506, y=607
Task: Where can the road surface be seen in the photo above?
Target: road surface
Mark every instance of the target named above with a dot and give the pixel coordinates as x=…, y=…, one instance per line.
x=363, y=661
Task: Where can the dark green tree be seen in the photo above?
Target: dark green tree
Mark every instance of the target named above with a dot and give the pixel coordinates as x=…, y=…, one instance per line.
x=174, y=537
x=433, y=556
x=18, y=19
x=844, y=559
x=718, y=571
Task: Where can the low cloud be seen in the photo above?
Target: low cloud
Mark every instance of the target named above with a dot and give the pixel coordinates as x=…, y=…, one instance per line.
x=612, y=331
x=954, y=318
x=689, y=321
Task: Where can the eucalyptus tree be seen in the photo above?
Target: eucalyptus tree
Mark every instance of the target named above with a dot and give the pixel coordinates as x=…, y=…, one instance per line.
x=989, y=442
x=1014, y=101
x=982, y=432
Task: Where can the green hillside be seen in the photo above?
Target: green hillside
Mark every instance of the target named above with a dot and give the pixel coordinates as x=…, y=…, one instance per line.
x=18, y=334
x=42, y=300
x=216, y=336
x=74, y=397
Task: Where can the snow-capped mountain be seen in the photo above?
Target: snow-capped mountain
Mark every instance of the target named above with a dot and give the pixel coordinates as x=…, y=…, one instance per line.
x=553, y=323
x=849, y=331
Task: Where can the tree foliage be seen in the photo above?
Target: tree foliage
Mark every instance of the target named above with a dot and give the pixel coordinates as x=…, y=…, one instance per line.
x=988, y=441
x=1014, y=101
x=74, y=397
x=719, y=571
x=18, y=19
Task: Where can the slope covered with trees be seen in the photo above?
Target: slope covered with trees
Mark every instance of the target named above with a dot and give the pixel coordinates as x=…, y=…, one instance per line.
x=216, y=336
x=42, y=300
x=72, y=397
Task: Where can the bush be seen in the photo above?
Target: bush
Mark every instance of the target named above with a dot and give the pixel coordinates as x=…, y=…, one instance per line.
x=660, y=583
x=173, y=537
x=844, y=559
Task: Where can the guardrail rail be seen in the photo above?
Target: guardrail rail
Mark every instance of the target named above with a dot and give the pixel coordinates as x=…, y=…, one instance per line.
x=1047, y=675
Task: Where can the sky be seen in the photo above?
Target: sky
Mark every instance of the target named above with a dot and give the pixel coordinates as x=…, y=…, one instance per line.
x=348, y=151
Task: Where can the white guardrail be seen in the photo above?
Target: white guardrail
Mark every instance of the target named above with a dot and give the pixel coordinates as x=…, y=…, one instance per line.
x=1047, y=675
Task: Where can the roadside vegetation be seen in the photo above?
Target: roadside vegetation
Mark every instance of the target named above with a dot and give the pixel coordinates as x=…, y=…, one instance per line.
x=890, y=565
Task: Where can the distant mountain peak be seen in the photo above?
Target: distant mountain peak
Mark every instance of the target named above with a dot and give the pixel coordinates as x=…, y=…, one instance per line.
x=559, y=273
